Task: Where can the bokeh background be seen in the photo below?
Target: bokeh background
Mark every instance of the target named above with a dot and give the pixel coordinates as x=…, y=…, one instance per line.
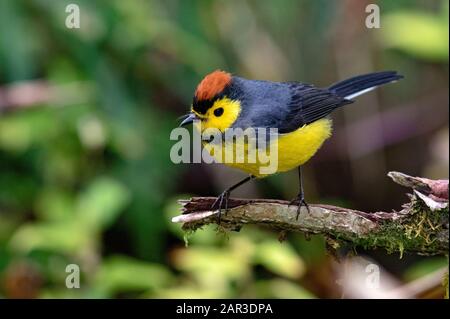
x=85, y=118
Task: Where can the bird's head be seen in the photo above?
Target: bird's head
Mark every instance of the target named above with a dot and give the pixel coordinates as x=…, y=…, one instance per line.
x=213, y=104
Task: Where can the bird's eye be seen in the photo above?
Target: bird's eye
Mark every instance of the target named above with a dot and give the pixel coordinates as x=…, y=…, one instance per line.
x=218, y=112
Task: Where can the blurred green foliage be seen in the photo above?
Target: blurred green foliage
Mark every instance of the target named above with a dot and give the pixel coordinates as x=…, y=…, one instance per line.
x=426, y=34
x=85, y=174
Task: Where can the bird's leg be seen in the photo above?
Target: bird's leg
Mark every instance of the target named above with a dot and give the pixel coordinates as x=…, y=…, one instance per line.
x=300, y=199
x=222, y=199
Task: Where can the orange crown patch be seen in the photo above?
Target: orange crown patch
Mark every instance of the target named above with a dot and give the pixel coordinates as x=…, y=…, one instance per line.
x=212, y=84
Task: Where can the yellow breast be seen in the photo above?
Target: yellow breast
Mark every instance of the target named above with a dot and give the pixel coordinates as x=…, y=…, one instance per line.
x=294, y=149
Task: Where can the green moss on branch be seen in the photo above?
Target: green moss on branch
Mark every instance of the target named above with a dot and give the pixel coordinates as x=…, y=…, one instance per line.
x=420, y=227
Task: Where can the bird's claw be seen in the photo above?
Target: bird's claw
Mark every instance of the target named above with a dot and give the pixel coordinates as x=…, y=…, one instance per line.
x=221, y=202
x=299, y=201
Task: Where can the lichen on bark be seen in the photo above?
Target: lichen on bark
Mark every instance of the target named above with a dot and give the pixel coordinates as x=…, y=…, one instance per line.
x=421, y=227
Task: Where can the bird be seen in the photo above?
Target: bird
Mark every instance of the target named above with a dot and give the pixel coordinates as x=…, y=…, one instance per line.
x=300, y=113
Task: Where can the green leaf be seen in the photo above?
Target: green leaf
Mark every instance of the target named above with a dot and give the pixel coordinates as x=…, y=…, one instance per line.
x=425, y=267
x=64, y=237
x=419, y=34
x=280, y=258
x=100, y=204
x=21, y=130
x=214, y=268
x=54, y=204
x=124, y=274
x=283, y=289
x=188, y=292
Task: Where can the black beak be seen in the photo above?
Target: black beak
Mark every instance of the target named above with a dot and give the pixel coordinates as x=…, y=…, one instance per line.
x=189, y=119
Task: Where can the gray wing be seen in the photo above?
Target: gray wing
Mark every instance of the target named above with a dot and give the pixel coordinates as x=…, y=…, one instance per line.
x=285, y=106
x=309, y=104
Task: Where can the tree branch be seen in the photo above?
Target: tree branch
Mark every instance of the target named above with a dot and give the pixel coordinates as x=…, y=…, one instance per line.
x=420, y=227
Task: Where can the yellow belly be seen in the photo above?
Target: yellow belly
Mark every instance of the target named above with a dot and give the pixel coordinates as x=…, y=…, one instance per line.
x=294, y=149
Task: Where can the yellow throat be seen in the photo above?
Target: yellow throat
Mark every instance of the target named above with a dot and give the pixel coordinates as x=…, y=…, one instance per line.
x=294, y=148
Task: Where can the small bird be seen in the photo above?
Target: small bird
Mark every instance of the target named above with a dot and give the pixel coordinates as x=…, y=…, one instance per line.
x=297, y=110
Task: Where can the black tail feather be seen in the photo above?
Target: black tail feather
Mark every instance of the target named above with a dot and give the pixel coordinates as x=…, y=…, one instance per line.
x=362, y=82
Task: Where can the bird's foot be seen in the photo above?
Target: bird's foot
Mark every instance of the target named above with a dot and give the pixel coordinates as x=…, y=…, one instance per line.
x=221, y=203
x=299, y=201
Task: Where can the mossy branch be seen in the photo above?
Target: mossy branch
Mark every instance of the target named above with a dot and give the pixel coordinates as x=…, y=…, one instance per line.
x=420, y=227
